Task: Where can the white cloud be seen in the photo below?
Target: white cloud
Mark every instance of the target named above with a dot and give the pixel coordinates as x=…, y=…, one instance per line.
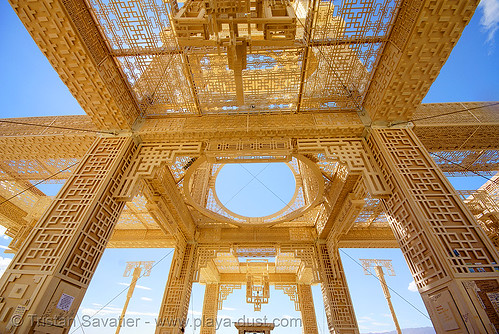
x=2, y=232
x=143, y=287
x=110, y=311
x=412, y=287
x=364, y=319
x=223, y=316
x=146, y=314
x=146, y=299
x=228, y=308
x=4, y=247
x=364, y=328
x=194, y=312
x=4, y=263
x=136, y=286
x=375, y=323
x=490, y=17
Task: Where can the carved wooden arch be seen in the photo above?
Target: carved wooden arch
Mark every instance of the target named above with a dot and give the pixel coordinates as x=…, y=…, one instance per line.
x=354, y=154
x=287, y=213
x=151, y=156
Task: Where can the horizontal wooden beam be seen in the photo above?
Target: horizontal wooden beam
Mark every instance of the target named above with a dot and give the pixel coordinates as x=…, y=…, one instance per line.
x=68, y=36
x=140, y=238
x=368, y=238
x=257, y=234
x=419, y=44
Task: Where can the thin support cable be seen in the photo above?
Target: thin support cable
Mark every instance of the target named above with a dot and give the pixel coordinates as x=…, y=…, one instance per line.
x=342, y=84
x=273, y=193
x=57, y=127
x=125, y=289
x=444, y=114
x=465, y=168
x=40, y=182
x=230, y=199
x=394, y=291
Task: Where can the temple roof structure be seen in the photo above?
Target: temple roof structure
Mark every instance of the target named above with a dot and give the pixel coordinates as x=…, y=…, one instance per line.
x=173, y=91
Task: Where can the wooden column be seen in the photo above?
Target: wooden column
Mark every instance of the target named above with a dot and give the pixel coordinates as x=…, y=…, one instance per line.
x=210, y=309
x=175, y=304
x=337, y=302
x=454, y=264
x=307, y=309
x=45, y=282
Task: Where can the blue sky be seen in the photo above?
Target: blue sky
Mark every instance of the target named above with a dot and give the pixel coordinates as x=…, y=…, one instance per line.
x=30, y=87
x=235, y=186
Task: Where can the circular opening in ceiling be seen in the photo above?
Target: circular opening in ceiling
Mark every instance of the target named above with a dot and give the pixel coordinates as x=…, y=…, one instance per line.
x=255, y=189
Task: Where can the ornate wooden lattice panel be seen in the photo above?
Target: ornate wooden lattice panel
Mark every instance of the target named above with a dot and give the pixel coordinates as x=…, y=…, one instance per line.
x=257, y=290
x=484, y=205
x=225, y=289
x=24, y=202
x=175, y=304
x=465, y=162
x=149, y=157
x=252, y=126
x=437, y=234
x=434, y=115
x=420, y=42
x=350, y=151
x=338, y=73
x=210, y=309
x=52, y=170
x=207, y=252
x=185, y=60
x=307, y=309
x=62, y=251
x=306, y=253
x=72, y=43
x=465, y=136
x=40, y=146
x=24, y=229
x=291, y=290
x=448, y=220
x=337, y=302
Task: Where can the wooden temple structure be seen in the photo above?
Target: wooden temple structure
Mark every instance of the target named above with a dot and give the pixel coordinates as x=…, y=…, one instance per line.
x=173, y=91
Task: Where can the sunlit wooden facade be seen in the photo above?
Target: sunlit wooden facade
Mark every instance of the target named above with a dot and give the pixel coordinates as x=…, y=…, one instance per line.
x=173, y=91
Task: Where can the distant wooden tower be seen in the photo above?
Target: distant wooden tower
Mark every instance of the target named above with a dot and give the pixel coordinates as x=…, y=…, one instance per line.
x=134, y=268
x=173, y=93
x=378, y=266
